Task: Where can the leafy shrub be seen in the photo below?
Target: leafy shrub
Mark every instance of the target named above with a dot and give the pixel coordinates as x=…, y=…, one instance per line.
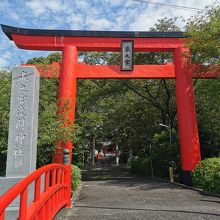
x=207, y=175
x=141, y=166
x=5, y=90
x=76, y=177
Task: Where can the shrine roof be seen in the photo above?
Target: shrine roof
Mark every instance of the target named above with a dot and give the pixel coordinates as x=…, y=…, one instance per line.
x=9, y=30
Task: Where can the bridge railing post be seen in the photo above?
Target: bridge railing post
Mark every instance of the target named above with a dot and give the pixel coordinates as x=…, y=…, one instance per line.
x=66, y=162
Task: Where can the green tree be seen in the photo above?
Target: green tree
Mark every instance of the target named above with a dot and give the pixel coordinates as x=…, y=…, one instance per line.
x=53, y=57
x=204, y=29
x=5, y=91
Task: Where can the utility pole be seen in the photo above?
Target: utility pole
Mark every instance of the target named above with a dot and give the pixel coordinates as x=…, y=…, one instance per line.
x=170, y=131
x=151, y=162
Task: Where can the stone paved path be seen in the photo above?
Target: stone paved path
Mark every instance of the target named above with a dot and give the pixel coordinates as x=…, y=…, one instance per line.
x=113, y=193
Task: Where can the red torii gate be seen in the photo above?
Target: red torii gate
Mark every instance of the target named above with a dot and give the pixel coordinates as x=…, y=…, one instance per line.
x=70, y=42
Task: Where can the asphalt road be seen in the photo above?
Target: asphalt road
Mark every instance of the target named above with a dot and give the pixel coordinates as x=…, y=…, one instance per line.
x=115, y=194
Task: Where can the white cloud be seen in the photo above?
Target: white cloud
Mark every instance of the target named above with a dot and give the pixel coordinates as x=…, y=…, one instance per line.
x=14, y=16
x=75, y=21
x=37, y=7
x=99, y=24
x=5, y=59
x=40, y=7
x=84, y=5
x=114, y=3
x=152, y=13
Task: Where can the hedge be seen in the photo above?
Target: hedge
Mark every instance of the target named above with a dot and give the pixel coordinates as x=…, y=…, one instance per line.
x=141, y=166
x=76, y=177
x=207, y=175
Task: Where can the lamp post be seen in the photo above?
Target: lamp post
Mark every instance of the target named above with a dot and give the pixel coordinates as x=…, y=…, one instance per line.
x=93, y=136
x=171, y=167
x=116, y=147
x=151, y=162
x=170, y=131
x=93, y=150
x=97, y=127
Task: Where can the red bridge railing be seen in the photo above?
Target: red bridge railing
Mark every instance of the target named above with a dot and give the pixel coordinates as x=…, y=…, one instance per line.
x=56, y=193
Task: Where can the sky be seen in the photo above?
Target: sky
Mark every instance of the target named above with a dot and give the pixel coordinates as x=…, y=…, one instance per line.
x=112, y=15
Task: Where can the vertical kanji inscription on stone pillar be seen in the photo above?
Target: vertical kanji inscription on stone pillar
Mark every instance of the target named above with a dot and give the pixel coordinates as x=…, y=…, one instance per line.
x=23, y=123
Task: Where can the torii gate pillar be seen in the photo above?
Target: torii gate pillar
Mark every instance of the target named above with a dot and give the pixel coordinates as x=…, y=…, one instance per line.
x=187, y=122
x=67, y=96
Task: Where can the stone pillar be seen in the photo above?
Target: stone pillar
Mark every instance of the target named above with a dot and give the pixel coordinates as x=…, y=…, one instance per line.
x=23, y=129
x=23, y=124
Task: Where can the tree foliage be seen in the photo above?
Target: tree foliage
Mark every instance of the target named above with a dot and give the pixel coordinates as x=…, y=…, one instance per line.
x=5, y=91
x=204, y=32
